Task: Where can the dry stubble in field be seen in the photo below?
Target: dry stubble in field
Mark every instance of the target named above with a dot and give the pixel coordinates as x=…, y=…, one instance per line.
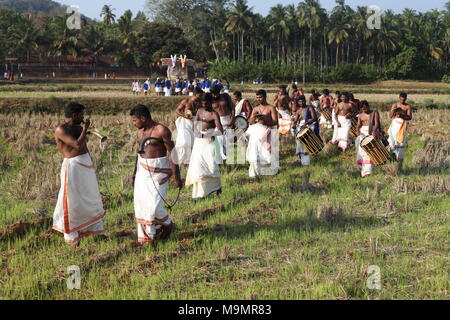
x=306, y=233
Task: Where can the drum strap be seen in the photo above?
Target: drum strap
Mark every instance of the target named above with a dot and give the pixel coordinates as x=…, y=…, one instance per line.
x=372, y=116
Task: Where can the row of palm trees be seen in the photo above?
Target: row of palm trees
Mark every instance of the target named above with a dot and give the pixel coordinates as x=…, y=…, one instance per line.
x=341, y=35
x=302, y=34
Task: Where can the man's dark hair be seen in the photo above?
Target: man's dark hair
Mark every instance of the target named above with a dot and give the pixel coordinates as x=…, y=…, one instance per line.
x=338, y=92
x=302, y=98
x=364, y=103
x=238, y=94
x=140, y=111
x=261, y=93
x=346, y=94
x=326, y=92
x=313, y=91
x=197, y=90
x=207, y=97
x=73, y=108
x=215, y=90
x=399, y=111
x=294, y=87
x=404, y=95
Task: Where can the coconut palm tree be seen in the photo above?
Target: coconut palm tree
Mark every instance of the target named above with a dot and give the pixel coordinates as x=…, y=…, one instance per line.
x=239, y=20
x=309, y=16
x=94, y=42
x=362, y=32
x=23, y=36
x=279, y=27
x=108, y=16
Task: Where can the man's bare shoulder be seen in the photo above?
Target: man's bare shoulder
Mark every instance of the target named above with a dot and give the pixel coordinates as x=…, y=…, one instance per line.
x=61, y=129
x=162, y=129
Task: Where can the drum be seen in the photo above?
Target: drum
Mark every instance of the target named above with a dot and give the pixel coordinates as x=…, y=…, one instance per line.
x=327, y=113
x=312, y=143
x=354, y=128
x=241, y=123
x=377, y=153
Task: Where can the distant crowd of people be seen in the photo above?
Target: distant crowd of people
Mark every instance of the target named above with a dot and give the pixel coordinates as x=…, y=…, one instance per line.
x=166, y=87
x=10, y=76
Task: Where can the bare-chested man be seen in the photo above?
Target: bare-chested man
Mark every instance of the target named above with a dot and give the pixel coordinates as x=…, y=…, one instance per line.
x=336, y=101
x=186, y=111
x=368, y=124
x=262, y=151
x=203, y=173
x=224, y=106
x=79, y=210
x=281, y=98
x=153, y=171
x=284, y=115
x=344, y=114
x=399, y=127
x=305, y=117
x=326, y=104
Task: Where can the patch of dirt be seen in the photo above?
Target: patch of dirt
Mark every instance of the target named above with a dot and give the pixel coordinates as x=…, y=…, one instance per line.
x=20, y=228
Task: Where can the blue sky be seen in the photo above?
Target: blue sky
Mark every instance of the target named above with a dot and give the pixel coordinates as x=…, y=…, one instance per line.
x=92, y=8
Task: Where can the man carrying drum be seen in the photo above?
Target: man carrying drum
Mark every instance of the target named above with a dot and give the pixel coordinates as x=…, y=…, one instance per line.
x=368, y=125
x=305, y=117
x=344, y=114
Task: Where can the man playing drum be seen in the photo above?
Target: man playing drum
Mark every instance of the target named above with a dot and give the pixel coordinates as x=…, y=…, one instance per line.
x=345, y=113
x=326, y=104
x=305, y=117
x=368, y=124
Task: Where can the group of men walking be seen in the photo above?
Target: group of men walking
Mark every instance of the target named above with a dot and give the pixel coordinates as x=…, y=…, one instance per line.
x=206, y=138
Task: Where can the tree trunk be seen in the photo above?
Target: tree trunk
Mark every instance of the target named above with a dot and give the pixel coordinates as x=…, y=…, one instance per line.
x=337, y=54
x=304, y=76
x=310, y=46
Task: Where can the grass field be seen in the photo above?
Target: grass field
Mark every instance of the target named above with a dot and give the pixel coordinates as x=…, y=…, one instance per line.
x=307, y=233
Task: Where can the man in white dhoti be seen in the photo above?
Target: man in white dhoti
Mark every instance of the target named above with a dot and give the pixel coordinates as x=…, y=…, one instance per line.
x=79, y=210
x=397, y=135
x=154, y=168
x=203, y=173
x=305, y=117
x=263, y=145
x=401, y=114
x=336, y=101
x=326, y=103
x=368, y=124
x=224, y=106
x=345, y=113
x=186, y=112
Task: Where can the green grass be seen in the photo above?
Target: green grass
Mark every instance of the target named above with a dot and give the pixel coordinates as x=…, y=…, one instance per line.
x=258, y=239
